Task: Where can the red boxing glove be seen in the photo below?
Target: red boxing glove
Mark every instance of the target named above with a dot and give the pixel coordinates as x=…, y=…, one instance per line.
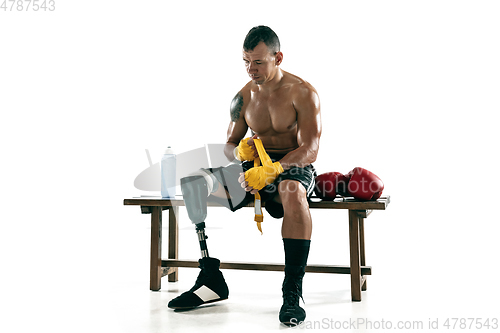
x=329, y=184
x=364, y=185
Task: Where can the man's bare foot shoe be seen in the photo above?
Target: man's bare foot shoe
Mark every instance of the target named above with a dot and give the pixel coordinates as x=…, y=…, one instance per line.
x=291, y=314
x=210, y=287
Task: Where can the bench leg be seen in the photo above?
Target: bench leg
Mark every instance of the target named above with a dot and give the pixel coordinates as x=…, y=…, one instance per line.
x=355, y=256
x=173, y=240
x=362, y=247
x=155, y=272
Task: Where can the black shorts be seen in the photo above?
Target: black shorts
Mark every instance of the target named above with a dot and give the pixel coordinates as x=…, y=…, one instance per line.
x=238, y=197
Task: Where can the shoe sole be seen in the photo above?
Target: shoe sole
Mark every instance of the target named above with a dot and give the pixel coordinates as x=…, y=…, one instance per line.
x=194, y=307
x=291, y=323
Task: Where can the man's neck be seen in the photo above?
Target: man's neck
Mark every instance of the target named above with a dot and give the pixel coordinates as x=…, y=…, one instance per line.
x=273, y=83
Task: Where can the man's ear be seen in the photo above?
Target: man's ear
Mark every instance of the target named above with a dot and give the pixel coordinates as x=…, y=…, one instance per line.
x=279, y=58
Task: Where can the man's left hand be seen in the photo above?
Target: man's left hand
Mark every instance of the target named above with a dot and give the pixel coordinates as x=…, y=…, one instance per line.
x=245, y=185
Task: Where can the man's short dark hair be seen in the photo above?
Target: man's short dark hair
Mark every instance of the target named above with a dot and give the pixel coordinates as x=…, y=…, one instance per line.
x=262, y=34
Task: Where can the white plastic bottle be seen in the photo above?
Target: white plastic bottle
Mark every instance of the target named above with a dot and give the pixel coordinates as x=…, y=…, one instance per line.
x=168, y=165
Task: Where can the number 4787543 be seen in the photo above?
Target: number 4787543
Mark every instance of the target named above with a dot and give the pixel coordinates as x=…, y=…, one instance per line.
x=28, y=5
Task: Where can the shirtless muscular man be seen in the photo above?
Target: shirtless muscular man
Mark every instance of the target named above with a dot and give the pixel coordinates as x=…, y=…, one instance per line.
x=283, y=111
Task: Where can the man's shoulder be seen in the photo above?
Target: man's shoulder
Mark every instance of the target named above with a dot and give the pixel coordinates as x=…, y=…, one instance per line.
x=245, y=90
x=239, y=102
x=304, y=96
x=244, y=93
x=298, y=84
x=301, y=91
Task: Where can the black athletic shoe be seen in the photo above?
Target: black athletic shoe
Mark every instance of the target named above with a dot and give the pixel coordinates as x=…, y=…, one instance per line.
x=210, y=287
x=291, y=314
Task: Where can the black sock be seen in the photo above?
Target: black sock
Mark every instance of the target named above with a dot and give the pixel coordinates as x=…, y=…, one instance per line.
x=296, y=251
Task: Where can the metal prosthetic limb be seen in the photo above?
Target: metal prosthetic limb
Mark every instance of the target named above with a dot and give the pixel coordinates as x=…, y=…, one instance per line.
x=200, y=230
x=195, y=192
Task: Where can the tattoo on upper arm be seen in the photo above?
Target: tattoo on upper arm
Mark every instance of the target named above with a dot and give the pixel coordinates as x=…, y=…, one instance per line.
x=236, y=106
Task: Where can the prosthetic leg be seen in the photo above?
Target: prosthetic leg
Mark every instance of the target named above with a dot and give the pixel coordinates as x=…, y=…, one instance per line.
x=195, y=191
x=210, y=285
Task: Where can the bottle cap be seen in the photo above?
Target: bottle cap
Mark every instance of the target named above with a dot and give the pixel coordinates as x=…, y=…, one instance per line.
x=169, y=150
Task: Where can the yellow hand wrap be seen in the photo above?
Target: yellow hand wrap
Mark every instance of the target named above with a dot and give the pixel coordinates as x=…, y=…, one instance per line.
x=260, y=176
x=244, y=152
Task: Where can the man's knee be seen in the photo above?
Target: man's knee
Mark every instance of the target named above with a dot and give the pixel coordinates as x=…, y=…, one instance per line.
x=292, y=194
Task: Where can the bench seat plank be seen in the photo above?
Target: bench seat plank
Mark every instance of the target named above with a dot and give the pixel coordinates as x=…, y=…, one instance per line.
x=338, y=203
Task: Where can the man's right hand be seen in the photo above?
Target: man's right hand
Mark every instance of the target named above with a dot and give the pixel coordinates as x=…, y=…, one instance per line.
x=246, y=150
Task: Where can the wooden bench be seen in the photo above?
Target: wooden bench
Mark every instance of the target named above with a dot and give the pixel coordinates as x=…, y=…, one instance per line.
x=358, y=211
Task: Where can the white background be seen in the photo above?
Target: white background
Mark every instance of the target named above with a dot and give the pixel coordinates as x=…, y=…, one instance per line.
x=409, y=90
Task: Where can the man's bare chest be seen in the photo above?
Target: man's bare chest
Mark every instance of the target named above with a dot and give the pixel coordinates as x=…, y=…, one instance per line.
x=270, y=114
